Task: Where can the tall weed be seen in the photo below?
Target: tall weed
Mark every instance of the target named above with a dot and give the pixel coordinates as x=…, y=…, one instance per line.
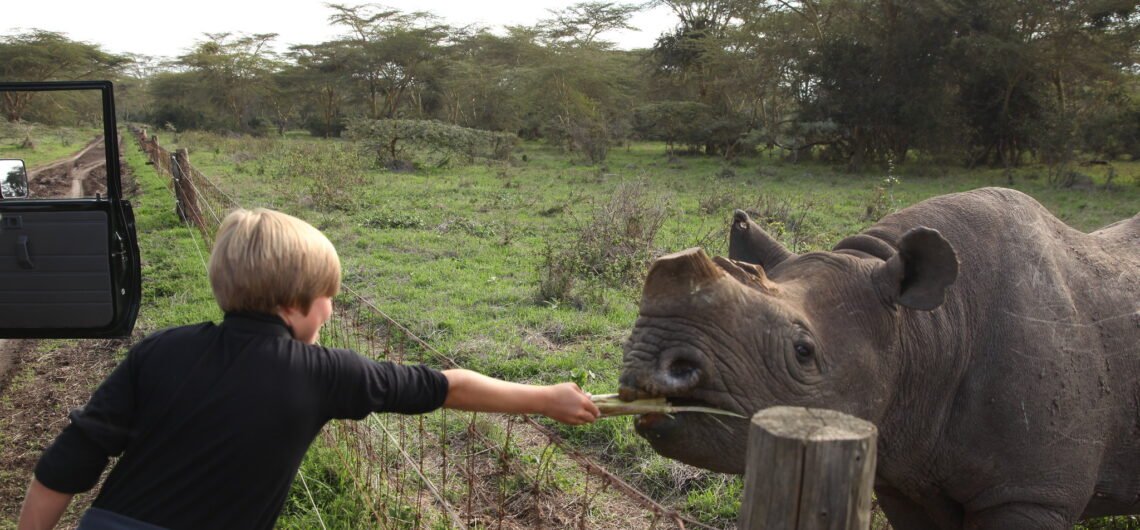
x=613, y=248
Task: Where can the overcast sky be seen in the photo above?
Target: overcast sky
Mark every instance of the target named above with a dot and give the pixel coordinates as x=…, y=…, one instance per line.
x=165, y=28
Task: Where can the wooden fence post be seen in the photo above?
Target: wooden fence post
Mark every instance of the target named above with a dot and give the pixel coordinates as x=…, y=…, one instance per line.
x=808, y=469
x=184, y=191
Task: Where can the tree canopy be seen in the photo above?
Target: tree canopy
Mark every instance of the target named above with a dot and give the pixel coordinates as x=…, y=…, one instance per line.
x=853, y=81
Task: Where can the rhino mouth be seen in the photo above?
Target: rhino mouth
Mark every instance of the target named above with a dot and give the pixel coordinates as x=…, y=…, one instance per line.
x=710, y=441
x=690, y=399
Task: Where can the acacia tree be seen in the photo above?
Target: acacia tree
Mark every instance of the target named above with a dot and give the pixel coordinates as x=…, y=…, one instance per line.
x=581, y=24
x=1084, y=86
x=708, y=59
x=394, y=54
x=238, y=71
x=40, y=55
x=878, y=74
x=581, y=94
x=133, y=98
x=485, y=80
x=317, y=83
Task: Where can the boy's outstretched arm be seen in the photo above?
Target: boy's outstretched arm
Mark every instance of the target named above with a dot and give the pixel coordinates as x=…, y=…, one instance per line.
x=476, y=392
x=42, y=507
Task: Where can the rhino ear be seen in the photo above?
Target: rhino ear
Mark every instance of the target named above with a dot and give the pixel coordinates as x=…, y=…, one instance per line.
x=918, y=275
x=749, y=243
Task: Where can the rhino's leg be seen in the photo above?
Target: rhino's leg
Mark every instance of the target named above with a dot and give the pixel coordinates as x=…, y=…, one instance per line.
x=905, y=514
x=1017, y=516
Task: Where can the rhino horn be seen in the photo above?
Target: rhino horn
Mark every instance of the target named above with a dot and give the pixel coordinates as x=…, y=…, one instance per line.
x=680, y=274
x=747, y=273
x=749, y=243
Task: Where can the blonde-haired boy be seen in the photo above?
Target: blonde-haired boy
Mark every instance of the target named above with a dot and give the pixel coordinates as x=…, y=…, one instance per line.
x=212, y=420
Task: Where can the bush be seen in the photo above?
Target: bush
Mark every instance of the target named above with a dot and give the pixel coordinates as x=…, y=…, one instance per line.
x=329, y=175
x=613, y=248
x=427, y=142
x=673, y=122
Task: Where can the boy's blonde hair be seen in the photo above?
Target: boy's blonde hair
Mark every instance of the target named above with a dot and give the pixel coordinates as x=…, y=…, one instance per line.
x=264, y=260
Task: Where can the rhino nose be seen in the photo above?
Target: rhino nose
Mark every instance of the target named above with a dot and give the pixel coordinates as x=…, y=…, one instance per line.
x=680, y=373
x=676, y=372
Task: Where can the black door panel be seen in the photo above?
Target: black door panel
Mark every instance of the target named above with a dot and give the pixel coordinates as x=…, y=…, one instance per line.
x=56, y=266
x=69, y=267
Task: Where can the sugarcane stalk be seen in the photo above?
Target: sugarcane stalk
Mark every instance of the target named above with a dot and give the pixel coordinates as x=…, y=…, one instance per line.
x=610, y=405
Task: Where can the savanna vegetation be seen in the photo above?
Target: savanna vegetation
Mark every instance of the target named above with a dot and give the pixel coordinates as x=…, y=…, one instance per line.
x=502, y=193
x=964, y=82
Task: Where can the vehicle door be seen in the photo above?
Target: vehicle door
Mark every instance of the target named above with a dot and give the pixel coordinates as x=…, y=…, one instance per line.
x=69, y=258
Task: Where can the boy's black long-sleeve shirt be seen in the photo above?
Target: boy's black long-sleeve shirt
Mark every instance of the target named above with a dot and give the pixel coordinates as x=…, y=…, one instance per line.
x=212, y=421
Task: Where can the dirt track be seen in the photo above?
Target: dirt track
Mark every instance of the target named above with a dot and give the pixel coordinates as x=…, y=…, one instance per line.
x=6, y=348
x=81, y=175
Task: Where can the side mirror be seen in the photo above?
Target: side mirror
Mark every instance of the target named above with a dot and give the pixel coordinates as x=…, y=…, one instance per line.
x=13, y=179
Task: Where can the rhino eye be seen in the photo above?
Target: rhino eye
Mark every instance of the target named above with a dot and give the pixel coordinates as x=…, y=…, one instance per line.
x=804, y=352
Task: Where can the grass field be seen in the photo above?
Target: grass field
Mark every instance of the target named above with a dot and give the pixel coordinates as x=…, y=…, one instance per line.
x=48, y=144
x=459, y=254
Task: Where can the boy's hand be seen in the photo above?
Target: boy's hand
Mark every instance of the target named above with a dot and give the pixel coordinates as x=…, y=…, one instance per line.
x=567, y=403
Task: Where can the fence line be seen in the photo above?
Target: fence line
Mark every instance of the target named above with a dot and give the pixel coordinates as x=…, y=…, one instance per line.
x=392, y=459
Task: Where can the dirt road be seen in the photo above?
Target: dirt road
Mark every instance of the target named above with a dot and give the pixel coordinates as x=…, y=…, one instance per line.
x=5, y=362
x=80, y=175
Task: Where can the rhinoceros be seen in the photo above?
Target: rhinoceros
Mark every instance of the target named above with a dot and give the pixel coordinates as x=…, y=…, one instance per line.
x=996, y=349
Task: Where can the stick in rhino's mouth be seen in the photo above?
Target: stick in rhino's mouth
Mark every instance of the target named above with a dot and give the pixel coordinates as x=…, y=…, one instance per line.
x=677, y=405
x=687, y=399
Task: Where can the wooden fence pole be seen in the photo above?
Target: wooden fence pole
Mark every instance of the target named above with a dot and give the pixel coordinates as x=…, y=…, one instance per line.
x=808, y=469
x=184, y=189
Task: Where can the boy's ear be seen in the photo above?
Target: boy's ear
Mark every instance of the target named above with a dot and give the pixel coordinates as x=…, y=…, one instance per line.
x=288, y=313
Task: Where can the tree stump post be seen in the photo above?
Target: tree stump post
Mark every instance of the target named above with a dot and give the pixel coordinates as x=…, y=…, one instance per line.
x=808, y=469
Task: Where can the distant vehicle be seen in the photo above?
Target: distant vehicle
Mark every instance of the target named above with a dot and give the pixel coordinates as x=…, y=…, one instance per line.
x=69, y=263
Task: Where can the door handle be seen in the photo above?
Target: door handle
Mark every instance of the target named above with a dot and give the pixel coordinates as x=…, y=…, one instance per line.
x=22, y=255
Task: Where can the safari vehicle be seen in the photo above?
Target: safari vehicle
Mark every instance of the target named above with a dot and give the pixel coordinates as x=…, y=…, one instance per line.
x=69, y=258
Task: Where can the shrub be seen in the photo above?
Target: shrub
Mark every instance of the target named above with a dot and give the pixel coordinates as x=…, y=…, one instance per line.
x=673, y=122
x=427, y=142
x=556, y=276
x=787, y=220
x=613, y=248
x=388, y=220
x=328, y=174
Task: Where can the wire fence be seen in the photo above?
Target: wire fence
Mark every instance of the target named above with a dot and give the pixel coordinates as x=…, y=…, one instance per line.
x=446, y=469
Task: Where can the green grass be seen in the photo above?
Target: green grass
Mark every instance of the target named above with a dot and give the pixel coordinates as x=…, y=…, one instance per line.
x=50, y=143
x=456, y=253
x=176, y=290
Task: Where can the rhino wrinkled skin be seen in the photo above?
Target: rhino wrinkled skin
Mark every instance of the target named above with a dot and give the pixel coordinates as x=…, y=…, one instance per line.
x=996, y=349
